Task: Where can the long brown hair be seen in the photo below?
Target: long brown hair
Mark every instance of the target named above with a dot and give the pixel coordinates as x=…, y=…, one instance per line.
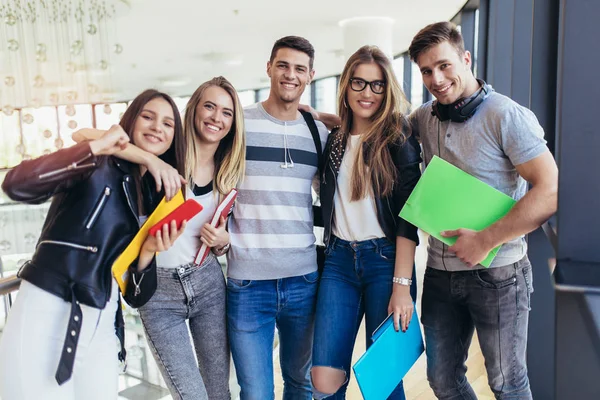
x=230, y=157
x=373, y=171
x=175, y=154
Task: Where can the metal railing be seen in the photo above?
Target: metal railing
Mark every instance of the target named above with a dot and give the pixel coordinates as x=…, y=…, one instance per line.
x=8, y=285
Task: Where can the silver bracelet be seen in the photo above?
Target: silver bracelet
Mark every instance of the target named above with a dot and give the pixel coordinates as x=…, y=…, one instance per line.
x=402, y=281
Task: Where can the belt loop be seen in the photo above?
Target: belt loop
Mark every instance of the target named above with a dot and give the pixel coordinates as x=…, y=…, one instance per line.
x=67, y=358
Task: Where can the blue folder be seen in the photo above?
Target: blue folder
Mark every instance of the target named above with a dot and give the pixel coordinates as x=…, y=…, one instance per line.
x=389, y=358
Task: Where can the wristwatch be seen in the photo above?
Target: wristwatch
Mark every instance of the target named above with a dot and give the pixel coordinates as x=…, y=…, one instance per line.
x=402, y=281
x=224, y=249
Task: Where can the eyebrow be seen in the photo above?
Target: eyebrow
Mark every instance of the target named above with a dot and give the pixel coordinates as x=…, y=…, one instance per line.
x=444, y=61
x=153, y=113
x=224, y=108
x=374, y=80
x=280, y=62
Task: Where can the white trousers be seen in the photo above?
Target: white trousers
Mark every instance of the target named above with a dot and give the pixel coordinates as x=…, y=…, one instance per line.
x=32, y=341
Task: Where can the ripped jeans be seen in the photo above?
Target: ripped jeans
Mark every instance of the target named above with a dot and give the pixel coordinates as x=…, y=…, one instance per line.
x=356, y=281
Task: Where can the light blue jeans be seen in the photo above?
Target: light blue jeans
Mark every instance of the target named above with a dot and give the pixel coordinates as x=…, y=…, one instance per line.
x=254, y=308
x=195, y=294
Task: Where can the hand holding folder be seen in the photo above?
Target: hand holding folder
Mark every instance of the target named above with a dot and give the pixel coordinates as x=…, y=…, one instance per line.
x=389, y=358
x=120, y=268
x=447, y=198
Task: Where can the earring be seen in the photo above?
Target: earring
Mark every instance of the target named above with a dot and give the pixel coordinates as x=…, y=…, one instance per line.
x=344, y=102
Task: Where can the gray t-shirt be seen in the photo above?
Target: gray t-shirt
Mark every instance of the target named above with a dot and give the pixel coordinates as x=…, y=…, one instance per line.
x=499, y=136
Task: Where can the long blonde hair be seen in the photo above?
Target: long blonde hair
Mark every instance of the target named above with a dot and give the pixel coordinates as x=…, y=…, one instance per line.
x=230, y=157
x=373, y=171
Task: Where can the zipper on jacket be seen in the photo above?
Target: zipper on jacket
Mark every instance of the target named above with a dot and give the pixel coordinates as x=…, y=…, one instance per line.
x=69, y=167
x=91, y=249
x=137, y=218
x=98, y=208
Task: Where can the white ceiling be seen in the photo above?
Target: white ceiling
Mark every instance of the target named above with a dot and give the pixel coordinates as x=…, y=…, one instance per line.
x=176, y=45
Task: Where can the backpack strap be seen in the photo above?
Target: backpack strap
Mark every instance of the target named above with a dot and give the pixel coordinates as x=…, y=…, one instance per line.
x=314, y=131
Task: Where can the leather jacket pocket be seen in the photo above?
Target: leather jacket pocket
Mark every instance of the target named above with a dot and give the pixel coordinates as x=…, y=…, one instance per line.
x=102, y=200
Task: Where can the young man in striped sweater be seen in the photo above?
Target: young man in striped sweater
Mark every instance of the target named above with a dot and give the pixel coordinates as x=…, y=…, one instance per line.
x=272, y=270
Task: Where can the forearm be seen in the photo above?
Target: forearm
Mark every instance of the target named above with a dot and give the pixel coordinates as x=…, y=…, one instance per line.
x=131, y=153
x=527, y=215
x=144, y=260
x=405, y=257
x=36, y=180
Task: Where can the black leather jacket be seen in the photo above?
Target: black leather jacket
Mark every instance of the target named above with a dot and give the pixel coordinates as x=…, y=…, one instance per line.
x=406, y=158
x=92, y=218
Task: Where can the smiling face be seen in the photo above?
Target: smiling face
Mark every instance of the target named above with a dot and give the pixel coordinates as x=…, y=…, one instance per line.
x=214, y=115
x=154, y=127
x=365, y=103
x=290, y=73
x=446, y=73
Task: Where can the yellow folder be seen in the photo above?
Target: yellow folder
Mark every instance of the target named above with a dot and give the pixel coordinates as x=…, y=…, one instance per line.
x=120, y=268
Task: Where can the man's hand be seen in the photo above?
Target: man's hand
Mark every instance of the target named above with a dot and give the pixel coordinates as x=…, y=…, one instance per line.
x=113, y=141
x=471, y=246
x=164, y=175
x=312, y=111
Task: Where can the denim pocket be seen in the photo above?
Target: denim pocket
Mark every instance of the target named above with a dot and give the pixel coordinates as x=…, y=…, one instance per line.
x=312, y=277
x=528, y=277
x=238, y=283
x=387, y=252
x=329, y=249
x=496, y=278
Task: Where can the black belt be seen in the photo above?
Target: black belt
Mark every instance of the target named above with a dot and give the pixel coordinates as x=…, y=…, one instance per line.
x=67, y=358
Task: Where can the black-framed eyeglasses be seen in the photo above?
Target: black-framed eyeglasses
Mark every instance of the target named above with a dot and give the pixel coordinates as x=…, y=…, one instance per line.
x=358, y=85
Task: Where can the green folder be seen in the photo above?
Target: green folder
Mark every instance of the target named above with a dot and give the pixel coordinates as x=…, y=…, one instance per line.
x=447, y=198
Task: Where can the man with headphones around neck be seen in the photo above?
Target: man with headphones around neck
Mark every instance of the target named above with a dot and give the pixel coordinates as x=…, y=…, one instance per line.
x=501, y=143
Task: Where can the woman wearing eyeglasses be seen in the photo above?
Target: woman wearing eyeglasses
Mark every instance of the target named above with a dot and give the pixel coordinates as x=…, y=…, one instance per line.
x=371, y=166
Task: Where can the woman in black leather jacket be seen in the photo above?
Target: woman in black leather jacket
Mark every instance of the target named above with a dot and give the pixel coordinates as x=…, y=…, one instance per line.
x=66, y=309
x=371, y=165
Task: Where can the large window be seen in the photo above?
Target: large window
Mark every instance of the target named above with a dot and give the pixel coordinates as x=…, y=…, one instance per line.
x=416, y=90
x=326, y=95
x=247, y=97
x=108, y=114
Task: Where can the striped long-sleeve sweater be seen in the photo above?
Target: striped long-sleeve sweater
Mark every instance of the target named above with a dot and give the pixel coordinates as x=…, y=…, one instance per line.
x=271, y=228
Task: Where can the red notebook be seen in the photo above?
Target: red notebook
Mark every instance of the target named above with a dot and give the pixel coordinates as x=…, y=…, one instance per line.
x=223, y=210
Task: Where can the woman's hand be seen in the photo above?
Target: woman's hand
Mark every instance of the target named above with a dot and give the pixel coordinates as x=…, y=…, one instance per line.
x=401, y=304
x=215, y=237
x=162, y=241
x=164, y=175
x=114, y=140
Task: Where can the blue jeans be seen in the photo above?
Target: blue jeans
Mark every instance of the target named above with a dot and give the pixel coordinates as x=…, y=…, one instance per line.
x=494, y=301
x=254, y=308
x=356, y=280
x=195, y=294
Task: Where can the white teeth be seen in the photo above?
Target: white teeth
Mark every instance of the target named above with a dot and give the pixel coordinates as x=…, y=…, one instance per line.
x=213, y=128
x=289, y=86
x=152, y=138
x=444, y=89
